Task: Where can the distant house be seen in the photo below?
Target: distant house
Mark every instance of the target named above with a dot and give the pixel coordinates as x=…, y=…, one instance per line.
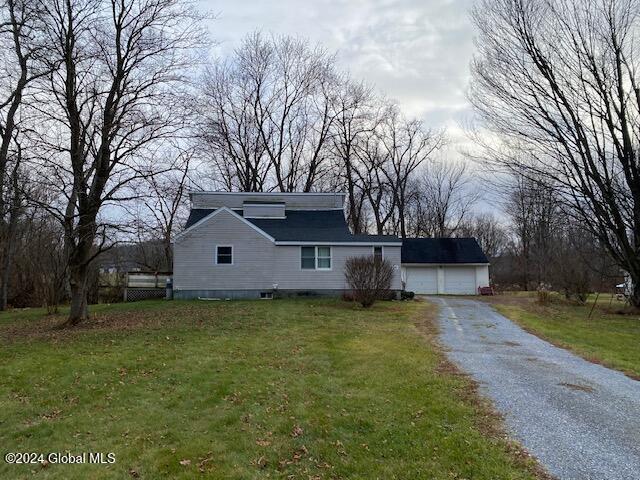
x=250, y=245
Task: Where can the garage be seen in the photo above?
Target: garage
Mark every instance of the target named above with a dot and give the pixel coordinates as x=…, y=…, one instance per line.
x=421, y=280
x=460, y=280
x=445, y=266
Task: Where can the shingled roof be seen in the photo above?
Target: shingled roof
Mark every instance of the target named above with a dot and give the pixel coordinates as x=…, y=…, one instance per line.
x=442, y=250
x=303, y=226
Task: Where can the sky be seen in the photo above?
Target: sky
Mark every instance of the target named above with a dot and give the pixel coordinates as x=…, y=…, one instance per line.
x=414, y=51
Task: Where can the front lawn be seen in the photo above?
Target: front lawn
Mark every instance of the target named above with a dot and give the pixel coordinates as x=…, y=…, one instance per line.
x=308, y=389
x=607, y=337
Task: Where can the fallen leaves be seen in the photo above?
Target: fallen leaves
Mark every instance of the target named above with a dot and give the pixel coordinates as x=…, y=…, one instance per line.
x=296, y=431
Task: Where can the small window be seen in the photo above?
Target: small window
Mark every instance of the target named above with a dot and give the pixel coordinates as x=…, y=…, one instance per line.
x=224, y=255
x=308, y=258
x=377, y=253
x=324, y=258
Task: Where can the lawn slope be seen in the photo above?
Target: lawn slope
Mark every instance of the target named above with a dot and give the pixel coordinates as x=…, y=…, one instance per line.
x=315, y=389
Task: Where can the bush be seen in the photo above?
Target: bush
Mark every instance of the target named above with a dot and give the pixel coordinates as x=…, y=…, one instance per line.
x=543, y=294
x=407, y=295
x=369, y=279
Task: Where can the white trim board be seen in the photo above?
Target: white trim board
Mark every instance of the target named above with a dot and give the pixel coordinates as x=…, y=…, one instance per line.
x=346, y=244
x=444, y=264
x=266, y=193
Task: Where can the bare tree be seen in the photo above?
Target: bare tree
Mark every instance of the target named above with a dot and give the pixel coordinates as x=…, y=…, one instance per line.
x=20, y=51
x=405, y=146
x=119, y=68
x=268, y=114
x=442, y=199
x=165, y=206
x=488, y=231
x=559, y=80
x=355, y=122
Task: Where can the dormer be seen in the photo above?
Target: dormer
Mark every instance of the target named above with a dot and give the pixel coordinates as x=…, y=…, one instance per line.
x=266, y=209
x=272, y=200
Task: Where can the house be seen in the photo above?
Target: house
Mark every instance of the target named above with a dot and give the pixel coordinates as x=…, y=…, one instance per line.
x=250, y=245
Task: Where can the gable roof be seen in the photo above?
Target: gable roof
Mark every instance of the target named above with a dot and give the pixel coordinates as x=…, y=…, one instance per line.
x=442, y=250
x=321, y=226
x=200, y=219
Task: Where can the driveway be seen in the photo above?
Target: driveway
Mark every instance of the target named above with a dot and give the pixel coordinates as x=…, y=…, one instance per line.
x=581, y=420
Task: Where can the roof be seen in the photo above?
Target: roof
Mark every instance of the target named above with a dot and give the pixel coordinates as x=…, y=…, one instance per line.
x=442, y=250
x=303, y=226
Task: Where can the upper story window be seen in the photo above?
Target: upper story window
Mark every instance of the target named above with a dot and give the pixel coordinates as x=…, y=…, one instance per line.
x=315, y=258
x=377, y=253
x=224, y=255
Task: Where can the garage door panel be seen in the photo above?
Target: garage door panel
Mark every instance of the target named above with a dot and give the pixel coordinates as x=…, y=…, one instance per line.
x=459, y=280
x=422, y=280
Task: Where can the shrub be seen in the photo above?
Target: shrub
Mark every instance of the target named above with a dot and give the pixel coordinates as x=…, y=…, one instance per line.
x=543, y=294
x=369, y=278
x=407, y=295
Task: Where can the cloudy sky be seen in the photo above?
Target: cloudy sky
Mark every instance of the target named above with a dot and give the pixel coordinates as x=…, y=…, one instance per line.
x=415, y=51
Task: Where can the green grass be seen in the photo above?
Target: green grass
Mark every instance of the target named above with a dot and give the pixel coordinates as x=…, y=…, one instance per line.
x=264, y=389
x=607, y=337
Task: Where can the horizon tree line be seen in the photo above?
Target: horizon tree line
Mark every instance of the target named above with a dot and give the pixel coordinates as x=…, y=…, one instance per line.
x=107, y=119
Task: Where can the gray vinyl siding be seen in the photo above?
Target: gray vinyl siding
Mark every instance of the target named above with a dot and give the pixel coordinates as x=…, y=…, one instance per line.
x=194, y=266
x=291, y=276
x=294, y=201
x=257, y=262
x=268, y=211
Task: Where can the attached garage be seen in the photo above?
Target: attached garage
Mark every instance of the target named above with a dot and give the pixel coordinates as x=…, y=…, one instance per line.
x=421, y=279
x=448, y=266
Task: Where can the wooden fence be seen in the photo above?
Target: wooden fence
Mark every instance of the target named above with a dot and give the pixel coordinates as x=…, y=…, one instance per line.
x=144, y=285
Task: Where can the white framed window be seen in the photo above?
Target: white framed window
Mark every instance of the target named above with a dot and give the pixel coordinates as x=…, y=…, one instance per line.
x=308, y=258
x=315, y=258
x=378, y=253
x=323, y=257
x=224, y=254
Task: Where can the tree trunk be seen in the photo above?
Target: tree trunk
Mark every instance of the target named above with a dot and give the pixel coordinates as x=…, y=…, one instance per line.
x=7, y=261
x=634, y=298
x=79, y=311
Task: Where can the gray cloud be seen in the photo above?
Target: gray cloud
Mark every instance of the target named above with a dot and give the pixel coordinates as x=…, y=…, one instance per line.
x=416, y=52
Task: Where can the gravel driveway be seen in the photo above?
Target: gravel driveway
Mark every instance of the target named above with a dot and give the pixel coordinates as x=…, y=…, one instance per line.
x=581, y=420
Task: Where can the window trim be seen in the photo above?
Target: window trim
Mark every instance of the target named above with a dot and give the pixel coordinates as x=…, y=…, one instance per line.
x=315, y=258
x=216, y=254
x=330, y=257
x=373, y=251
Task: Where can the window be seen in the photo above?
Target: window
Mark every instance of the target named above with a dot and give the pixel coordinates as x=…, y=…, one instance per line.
x=324, y=258
x=224, y=255
x=315, y=258
x=377, y=253
x=308, y=258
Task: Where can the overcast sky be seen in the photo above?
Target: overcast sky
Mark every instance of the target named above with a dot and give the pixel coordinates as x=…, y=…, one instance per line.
x=414, y=51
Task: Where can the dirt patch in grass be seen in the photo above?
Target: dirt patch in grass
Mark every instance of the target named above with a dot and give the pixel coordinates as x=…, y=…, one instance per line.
x=487, y=420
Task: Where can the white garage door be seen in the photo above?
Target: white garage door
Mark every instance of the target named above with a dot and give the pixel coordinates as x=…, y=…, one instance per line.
x=422, y=280
x=460, y=280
